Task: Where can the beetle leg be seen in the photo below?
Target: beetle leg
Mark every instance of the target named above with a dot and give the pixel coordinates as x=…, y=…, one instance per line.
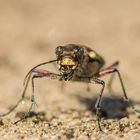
x=39, y=74
x=98, y=102
x=35, y=73
x=114, y=70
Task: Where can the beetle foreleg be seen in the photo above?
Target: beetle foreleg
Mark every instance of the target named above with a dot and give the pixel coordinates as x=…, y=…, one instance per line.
x=35, y=73
x=98, y=102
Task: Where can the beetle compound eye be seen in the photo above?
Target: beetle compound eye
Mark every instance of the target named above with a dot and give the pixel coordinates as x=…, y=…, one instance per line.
x=59, y=50
x=80, y=51
x=79, y=54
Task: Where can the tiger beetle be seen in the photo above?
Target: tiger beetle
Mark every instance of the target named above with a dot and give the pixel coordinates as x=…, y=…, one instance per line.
x=75, y=63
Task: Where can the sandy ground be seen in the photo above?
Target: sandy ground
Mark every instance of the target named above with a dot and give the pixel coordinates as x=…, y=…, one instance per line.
x=29, y=32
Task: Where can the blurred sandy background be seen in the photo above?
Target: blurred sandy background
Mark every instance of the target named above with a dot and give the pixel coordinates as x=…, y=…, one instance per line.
x=31, y=29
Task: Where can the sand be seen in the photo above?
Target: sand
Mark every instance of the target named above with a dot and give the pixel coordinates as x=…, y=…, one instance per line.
x=30, y=30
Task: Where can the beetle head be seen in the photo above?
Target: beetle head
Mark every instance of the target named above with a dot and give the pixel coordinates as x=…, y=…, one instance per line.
x=68, y=58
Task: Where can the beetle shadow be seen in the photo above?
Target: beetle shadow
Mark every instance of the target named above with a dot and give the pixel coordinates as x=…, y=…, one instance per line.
x=111, y=106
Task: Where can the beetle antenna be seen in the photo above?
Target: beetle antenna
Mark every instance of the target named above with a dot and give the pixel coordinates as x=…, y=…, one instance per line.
x=36, y=67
